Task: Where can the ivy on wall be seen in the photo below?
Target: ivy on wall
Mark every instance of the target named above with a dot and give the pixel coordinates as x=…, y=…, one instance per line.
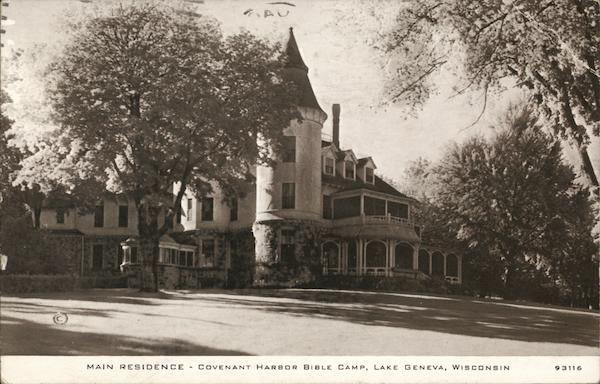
x=271, y=269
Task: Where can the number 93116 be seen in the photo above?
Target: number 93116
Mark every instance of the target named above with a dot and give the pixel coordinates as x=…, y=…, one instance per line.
x=567, y=368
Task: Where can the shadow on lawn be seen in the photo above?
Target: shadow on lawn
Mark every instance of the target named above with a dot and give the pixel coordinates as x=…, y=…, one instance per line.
x=428, y=313
x=116, y=295
x=448, y=315
x=23, y=337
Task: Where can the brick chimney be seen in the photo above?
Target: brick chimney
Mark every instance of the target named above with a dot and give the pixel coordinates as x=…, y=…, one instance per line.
x=336, y=125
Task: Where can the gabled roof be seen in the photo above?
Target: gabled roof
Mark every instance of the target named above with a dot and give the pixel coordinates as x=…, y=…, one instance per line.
x=365, y=160
x=341, y=155
x=331, y=149
x=349, y=185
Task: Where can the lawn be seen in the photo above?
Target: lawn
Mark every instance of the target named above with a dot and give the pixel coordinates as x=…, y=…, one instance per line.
x=288, y=322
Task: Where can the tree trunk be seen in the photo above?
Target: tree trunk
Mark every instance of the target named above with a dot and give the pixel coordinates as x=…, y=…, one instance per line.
x=508, y=282
x=589, y=170
x=149, y=236
x=148, y=252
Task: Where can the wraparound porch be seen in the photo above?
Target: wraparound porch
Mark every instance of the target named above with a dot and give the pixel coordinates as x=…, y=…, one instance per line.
x=388, y=257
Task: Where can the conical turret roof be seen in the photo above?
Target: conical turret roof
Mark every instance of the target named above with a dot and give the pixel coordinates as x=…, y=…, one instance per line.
x=294, y=58
x=297, y=71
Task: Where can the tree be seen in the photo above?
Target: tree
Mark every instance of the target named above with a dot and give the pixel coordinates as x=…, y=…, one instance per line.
x=550, y=48
x=419, y=182
x=9, y=156
x=9, y=164
x=149, y=97
x=510, y=195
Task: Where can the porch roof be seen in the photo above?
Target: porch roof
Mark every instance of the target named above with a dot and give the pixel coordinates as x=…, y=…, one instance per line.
x=377, y=231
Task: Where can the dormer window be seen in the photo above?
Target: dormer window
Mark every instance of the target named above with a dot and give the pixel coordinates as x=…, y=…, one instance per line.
x=349, y=170
x=369, y=175
x=329, y=166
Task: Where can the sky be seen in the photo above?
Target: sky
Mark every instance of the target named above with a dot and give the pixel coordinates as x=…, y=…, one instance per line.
x=343, y=68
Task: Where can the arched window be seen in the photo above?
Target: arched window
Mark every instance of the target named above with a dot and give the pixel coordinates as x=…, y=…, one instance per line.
x=437, y=264
x=424, y=261
x=404, y=256
x=331, y=253
x=452, y=265
x=376, y=251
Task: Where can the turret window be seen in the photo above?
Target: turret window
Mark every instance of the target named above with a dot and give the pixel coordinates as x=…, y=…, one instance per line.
x=288, y=246
x=289, y=149
x=288, y=196
x=349, y=169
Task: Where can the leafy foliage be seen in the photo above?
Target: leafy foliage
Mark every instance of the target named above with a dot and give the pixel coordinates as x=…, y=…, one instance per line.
x=550, y=48
x=149, y=97
x=514, y=208
x=9, y=156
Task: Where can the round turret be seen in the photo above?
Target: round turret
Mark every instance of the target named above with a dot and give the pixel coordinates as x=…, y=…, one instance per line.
x=292, y=188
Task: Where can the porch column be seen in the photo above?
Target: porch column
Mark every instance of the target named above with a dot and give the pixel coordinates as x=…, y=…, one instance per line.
x=362, y=204
x=392, y=255
x=339, y=266
x=430, y=262
x=444, y=265
x=344, y=258
x=388, y=257
x=357, y=262
x=415, y=264
x=359, y=270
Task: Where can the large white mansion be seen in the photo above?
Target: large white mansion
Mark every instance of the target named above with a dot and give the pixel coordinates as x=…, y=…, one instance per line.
x=320, y=201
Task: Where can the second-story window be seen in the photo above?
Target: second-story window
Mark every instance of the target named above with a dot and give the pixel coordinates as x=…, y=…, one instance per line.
x=188, y=211
x=207, y=209
x=99, y=216
x=60, y=216
x=288, y=196
x=123, y=216
x=349, y=169
x=289, y=149
x=233, y=210
x=369, y=176
x=329, y=166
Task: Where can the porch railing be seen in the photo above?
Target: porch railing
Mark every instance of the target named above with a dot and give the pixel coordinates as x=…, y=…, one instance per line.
x=387, y=219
